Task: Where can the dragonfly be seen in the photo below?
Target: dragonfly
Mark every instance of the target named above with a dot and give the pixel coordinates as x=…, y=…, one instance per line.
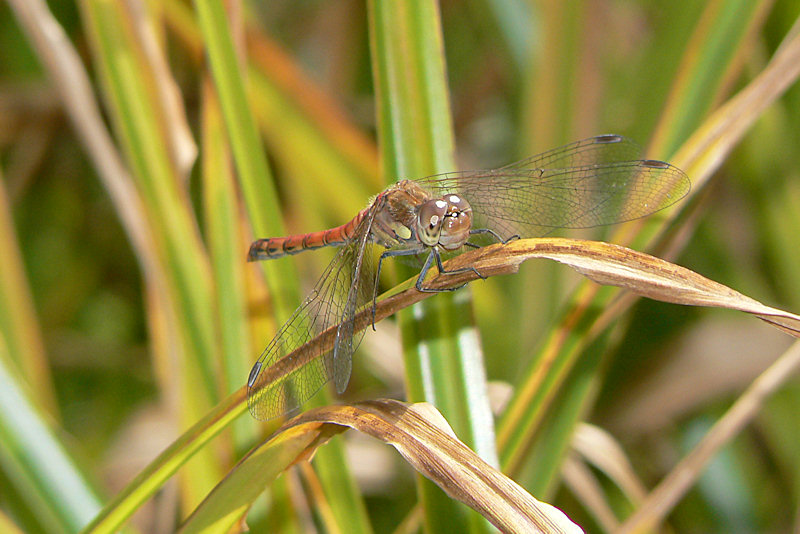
x=594, y=182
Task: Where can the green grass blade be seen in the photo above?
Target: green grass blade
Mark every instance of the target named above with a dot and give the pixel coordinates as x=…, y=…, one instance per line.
x=135, y=113
x=224, y=231
x=306, y=131
x=711, y=56
x=39, y=466
x=442, y=357
x=233, y=496
x=264, y=213
x=183, y=307
x=251, y=164
x=153, y=477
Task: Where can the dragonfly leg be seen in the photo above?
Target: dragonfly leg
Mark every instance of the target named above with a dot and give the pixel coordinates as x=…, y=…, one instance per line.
x=435, y=255
x=387, y=254
x=492, y=233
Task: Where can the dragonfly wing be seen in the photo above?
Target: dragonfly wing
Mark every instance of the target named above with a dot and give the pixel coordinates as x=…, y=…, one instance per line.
x=317, y=342
x=533, y=201
x=361, y=289
x=598, y=150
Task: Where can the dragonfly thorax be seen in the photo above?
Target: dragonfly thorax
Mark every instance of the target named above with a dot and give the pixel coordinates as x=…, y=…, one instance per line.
x=445, y=222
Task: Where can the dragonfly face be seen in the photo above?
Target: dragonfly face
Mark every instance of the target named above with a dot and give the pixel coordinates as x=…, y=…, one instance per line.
x=445, y=222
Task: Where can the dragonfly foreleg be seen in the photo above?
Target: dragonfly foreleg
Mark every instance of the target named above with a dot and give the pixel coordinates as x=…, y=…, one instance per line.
x=388, y=254
x=477, y=231
x=435, y=255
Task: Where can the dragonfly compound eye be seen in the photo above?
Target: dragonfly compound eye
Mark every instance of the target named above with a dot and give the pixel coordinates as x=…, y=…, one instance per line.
x=430, y=217
x=457, y=223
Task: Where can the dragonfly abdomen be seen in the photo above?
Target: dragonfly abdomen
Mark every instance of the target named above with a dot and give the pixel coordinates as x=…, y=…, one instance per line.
x=276, y=247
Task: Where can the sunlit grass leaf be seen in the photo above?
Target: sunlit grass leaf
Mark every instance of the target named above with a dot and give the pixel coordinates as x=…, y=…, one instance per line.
x=419, y=433
x=224, y=236
x=7, y=525
x=702, y=154
x=614, y=265
x=442, y=353
x=18, y=324
x=710, y=58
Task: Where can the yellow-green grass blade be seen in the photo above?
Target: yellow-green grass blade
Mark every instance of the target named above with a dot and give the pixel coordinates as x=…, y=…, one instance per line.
x=224, y=231
x=18, y=323
x=234, y=495
x=131, y=82
x=135, y=114
x=711, y=56
x=443, y=358
x=306, y=131
x=264, y=214
x=255, y=178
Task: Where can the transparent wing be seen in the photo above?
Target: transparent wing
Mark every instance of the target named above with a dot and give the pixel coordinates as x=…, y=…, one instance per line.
x=282, y=379
x=580, y=185
x=595, y=150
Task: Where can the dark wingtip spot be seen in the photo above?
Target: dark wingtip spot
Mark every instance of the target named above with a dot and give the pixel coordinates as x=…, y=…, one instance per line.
x=608, y=138
x=654, y=163
x=253, y=374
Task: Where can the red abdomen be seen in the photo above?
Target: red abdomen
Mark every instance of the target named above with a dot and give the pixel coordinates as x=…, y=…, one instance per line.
x=275, y=247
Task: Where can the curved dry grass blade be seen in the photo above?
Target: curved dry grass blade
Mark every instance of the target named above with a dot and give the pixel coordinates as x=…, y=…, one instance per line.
x=419, y=433
x=603, y=263
x=593, y=445
x=599, y=448
x=614, y=265
x=669, y=491
x=583, y=483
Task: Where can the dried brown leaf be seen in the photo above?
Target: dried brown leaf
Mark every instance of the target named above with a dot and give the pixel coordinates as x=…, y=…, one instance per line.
x=614, y=265
x=603, y=263
x=419, y=433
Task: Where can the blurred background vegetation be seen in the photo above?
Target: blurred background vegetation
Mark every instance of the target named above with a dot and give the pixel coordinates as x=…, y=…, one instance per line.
x=117, y=358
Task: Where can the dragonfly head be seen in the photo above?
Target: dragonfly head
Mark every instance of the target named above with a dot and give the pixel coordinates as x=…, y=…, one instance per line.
x=445, y=222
